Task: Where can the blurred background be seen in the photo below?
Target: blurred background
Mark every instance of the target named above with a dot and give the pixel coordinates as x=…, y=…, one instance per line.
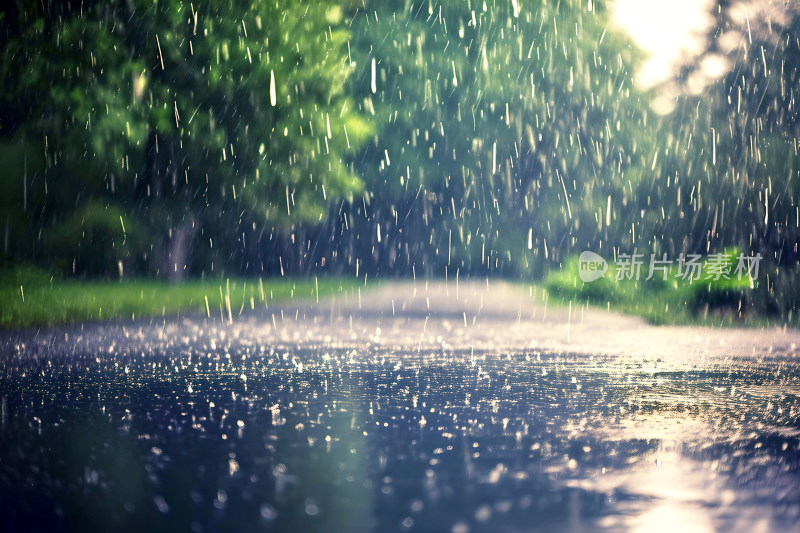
x=179, y=140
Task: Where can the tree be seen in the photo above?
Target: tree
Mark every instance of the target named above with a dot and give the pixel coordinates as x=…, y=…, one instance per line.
x=204, y=122
x=509, y=132
x=730, y=171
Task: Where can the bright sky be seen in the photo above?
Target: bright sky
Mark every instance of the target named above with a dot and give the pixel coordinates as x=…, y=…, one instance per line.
x=670, y=32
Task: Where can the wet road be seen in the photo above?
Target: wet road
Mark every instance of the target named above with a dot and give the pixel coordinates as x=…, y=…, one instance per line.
x=412, y=407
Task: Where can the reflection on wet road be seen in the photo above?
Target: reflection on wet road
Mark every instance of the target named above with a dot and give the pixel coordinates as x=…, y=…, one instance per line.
x=413, y=408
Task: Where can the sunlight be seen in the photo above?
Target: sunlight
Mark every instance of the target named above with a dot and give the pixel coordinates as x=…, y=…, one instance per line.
x=669, y=33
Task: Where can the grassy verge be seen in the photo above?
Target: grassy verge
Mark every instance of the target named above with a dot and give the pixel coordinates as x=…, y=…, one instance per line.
x=723, y=302
x=31, y=297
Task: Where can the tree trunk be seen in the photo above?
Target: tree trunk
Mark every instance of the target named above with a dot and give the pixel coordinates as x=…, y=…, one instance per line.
x=177, y=249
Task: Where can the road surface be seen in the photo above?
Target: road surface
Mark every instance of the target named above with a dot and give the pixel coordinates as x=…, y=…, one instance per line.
x=469, y=406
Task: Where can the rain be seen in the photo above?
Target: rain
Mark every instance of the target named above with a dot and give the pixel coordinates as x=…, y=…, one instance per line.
x=402, y=265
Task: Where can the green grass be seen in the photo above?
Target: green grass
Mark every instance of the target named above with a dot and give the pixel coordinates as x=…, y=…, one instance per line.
x=731, y=302
x=30, y=297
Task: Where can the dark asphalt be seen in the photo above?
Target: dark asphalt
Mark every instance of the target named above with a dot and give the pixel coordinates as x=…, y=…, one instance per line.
x=413, y=407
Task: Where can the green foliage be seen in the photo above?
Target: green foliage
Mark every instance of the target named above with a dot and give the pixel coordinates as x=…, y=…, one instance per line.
x=728, y=172
x=23, y=190
x=14, y=276
x=221, y=115
x=485, y=137
x=96, y=235
x=676, y=299
x=33, y=297
x=497, y=122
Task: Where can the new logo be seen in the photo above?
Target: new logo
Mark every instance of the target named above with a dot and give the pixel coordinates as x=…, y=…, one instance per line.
x=591, y=266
